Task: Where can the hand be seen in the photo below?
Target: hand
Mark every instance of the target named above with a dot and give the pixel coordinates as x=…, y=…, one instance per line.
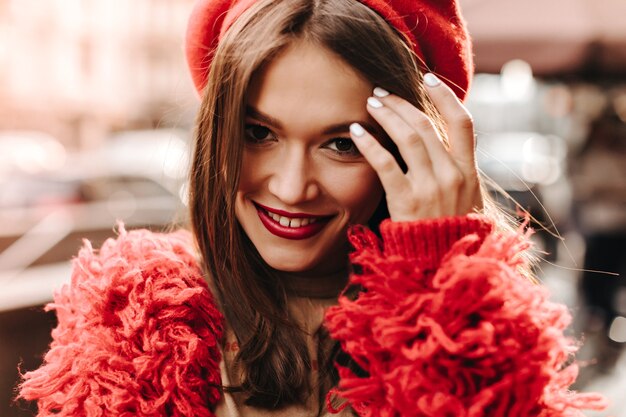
x=439, y=182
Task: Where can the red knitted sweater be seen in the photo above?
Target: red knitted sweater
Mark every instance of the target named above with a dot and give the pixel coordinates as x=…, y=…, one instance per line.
x=445, y=326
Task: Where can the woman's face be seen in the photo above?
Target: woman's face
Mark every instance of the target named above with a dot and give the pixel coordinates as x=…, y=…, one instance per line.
x=302, y=180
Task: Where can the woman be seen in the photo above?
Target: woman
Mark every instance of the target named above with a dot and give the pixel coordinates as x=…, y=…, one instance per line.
x=317, y=116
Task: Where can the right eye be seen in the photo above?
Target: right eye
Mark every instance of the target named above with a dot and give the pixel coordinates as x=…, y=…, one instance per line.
x=256, y=133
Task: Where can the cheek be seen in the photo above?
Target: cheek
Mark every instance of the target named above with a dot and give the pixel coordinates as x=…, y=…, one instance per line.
x=359, y=193
x=251, y=171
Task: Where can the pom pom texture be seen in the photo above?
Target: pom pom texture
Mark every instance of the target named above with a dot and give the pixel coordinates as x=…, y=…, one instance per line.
x=471, y=337
x=138, y=334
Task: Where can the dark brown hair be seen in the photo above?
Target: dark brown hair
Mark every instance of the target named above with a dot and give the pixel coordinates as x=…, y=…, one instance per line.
x=273, y=359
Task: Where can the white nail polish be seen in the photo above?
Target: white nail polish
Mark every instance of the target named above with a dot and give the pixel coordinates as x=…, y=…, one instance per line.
x=357, y=130
x=431, y=80
x=380, y=92
x=374, y=102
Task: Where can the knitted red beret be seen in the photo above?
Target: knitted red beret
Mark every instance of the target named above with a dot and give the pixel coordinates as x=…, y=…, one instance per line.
x=434, y=29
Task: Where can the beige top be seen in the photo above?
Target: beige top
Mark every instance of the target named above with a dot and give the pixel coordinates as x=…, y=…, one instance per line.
x=310, y=313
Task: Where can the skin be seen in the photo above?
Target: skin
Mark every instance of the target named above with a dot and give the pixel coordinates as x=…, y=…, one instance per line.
x=439, y=182
x=292, y=165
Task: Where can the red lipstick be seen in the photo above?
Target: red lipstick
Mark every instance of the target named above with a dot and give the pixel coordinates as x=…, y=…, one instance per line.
x=292, y=233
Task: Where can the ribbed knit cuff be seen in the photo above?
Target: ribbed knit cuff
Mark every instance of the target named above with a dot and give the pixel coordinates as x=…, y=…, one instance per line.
x=427, y=241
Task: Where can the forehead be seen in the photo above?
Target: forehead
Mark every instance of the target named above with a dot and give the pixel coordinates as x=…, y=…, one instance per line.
x=306, y=78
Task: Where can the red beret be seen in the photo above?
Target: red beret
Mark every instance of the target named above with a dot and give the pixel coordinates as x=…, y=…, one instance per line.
x=434, y=29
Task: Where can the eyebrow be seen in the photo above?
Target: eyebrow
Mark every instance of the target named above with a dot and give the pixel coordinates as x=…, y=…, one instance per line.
x=329, y=130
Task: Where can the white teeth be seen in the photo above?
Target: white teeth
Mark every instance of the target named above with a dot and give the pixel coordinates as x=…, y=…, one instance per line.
x=289, y=222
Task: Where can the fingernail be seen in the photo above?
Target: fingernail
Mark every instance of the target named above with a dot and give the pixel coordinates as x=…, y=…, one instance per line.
x=374, y=102
x=380, y=92
x=431, y=80
x=357, y=130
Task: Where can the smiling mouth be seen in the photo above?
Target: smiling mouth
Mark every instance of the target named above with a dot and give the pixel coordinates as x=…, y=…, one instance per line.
x=294, y=226
x=293, y=222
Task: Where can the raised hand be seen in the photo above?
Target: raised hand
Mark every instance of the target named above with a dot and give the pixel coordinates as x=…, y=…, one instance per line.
x=439, y=182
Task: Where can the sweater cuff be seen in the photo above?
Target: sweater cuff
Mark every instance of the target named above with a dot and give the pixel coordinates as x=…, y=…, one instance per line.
x=427, y=241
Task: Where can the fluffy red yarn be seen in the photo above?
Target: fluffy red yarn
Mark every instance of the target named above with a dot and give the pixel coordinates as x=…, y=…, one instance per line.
x=137, y=334
x=475, y=338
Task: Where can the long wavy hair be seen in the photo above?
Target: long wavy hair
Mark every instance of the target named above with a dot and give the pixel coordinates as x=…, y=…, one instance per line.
x=273, y=358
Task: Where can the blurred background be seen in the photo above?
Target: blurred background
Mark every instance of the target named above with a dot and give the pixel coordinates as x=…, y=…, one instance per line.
x=96, y=112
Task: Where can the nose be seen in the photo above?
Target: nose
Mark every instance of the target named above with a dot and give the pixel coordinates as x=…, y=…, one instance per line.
x=293, y=178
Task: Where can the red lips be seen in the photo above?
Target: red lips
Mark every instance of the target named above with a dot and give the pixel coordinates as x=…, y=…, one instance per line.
x=292, y=233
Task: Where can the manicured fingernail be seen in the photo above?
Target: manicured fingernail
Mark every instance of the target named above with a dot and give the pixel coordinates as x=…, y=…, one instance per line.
x=431, y=80
x=357, y=130
x=374, y=102
x=380, y=92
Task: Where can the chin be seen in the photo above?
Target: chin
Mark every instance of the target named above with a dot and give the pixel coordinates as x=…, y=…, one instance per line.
x=289, y=262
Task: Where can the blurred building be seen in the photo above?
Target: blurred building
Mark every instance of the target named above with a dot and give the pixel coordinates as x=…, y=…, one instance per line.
x=556, y=37
x=80, y=68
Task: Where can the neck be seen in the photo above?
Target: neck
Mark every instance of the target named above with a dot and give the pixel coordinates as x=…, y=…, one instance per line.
x=302, y=284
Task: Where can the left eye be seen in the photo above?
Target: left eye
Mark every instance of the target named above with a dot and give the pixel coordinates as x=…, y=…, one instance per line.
x=257, y=133
x=344, y=146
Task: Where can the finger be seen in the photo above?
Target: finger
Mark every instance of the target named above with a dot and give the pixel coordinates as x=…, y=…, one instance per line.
x=410, y=143
x=458, y=121
x=441, y=160
x=381, y=160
